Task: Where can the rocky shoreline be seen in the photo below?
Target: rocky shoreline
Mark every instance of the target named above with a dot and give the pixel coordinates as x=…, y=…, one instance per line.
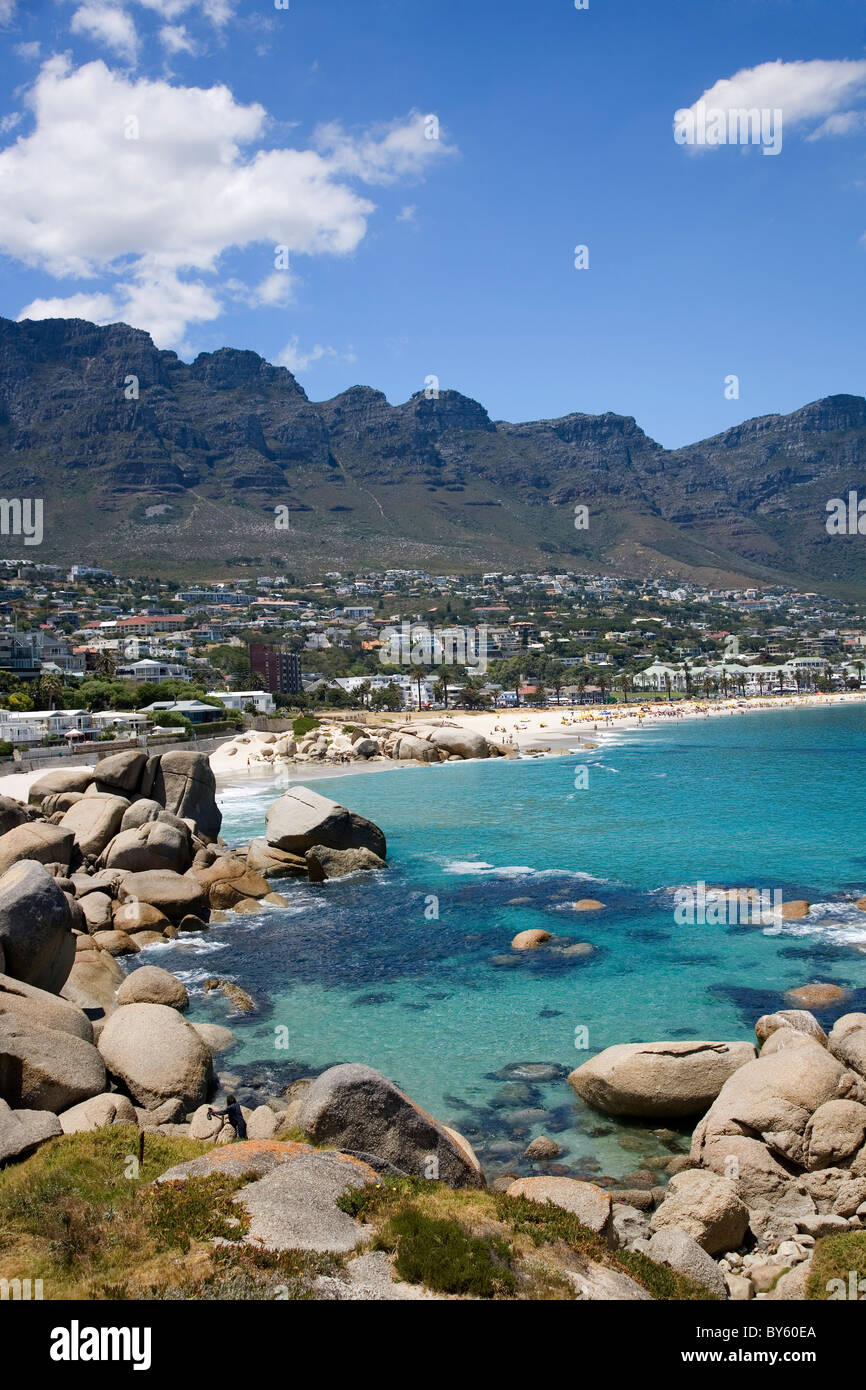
x=102, y=862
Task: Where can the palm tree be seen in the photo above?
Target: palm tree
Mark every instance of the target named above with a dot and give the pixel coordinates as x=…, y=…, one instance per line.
x=858, y=667
x=105, y=665
x=50, y=687
x=668, y=683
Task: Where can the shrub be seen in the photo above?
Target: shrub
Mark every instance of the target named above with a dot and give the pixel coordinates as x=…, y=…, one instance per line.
x=304, y=724
x=837, y=1258
x=442, y=1255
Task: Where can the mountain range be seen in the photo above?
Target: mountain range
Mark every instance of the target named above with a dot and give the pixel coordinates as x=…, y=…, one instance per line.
x=147, y=464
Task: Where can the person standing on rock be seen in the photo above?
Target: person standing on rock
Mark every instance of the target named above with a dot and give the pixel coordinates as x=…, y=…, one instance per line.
x=233, y=1114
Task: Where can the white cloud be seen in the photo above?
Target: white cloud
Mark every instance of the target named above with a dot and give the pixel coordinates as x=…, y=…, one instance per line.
x=28, y=50
x=407, y=214
x=109, y=25
x=7, y=10
x=98, y=308
x=83, y=201
x=803, y=91
x=219, y=12
x=386, y=153
x=175, y=38
x=276, y=290
x=298, y=361
x=10, y=122
x=844, y=123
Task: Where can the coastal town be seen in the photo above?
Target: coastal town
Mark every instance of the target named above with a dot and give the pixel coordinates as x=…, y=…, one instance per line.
x=87, y=655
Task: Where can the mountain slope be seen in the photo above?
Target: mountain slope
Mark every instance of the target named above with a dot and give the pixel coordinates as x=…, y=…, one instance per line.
x=148, y=464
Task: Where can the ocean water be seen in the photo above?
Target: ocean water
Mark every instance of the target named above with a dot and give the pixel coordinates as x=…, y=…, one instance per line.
x=410, y=971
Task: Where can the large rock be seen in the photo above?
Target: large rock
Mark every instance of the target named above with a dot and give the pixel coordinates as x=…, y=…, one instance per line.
x=323, y=863
x=215, y=1037
x=463, y=743
x=755, y=1131
x=116, y=943
x=250, y=1157
x=835, y=1132
x=174, y=894
x=12, y=814
x=134, y=917
x=271, y=862
x=94, y=820
x=847, y=1042
x=664, y=1080
x=120, y=770
x=37, y=841
x=97, y=911
x=760, y=1176
x=36, y=1006
x=63, y=779
x=229, y=880
x=407, y=746
x=358, y=1109
x=185, y=785
x=706, y=1207
x=301, y=818
x=589, y=1203
x=294, y=1207
x=110, y=1108
x=23, y=1131
x=799, y=1019
x=93, y=981
x=596, y=1283
x=676, y=1249
x=45, y=1069
x=157, y=1055
x=140, y=812
x=153, y=845
x=150, y=984
x=36, y=941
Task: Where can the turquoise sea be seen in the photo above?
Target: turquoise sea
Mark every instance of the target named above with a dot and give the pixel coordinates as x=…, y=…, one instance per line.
x=410, y=971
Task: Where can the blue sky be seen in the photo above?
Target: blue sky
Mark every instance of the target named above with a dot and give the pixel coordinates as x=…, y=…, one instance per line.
x=131, y=190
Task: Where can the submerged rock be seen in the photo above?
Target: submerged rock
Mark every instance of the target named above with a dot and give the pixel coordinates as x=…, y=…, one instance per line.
x=324, y=863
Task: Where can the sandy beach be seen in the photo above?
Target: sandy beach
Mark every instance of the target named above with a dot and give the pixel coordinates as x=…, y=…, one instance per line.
x=553, y=730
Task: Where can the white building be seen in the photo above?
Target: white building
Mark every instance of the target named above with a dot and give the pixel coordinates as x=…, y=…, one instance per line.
x=32, y=726
x=151, y=670
x=239, y=699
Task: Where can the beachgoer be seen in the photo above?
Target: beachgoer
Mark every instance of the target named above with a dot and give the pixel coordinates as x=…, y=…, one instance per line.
x=233, y=1114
